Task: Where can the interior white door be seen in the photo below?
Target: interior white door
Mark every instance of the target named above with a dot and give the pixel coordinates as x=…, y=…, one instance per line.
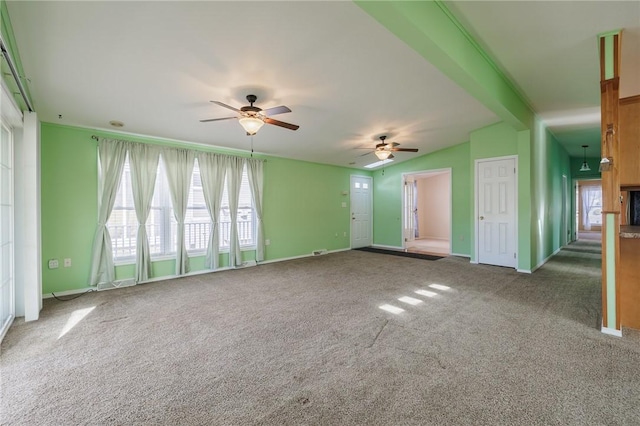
x=496, y=221
x=361, y=211
x=409, y=229
x=7, y=290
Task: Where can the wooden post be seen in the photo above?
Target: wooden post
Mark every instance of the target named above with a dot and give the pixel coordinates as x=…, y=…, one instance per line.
x=609, y=93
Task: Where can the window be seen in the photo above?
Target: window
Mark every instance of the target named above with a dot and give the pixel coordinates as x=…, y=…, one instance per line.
x=161, y=224
x=246, y=215
x=123, y=224
x=197, y=223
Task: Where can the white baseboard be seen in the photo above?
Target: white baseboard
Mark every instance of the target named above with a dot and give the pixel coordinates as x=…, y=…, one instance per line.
x=524, y=271
x=68, y=292
x=611, y=331
x=384, y=247
x=546, y=259
x=461, y=255
x=284, y=259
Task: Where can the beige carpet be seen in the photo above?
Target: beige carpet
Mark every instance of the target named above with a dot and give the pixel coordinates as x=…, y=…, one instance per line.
x=305, y=342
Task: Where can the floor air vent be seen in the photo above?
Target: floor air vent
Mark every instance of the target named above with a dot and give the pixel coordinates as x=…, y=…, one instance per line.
x=319, y=252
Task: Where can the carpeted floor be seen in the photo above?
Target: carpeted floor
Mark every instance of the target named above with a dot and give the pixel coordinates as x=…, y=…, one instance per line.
x=305, y=342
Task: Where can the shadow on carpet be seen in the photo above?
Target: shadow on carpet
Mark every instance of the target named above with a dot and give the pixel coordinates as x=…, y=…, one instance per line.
x=399, y=253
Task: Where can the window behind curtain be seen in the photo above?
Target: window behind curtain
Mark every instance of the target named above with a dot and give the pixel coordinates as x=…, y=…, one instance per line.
x=246, y=215
x=161, y=224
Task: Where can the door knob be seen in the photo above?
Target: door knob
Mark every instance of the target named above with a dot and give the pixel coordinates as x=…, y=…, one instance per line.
x=481, y=217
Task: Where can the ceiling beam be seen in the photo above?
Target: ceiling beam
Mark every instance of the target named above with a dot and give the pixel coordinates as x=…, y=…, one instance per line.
x=430, y=29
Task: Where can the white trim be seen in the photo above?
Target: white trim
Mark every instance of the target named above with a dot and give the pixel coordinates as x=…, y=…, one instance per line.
x=69, y=292
x=475, y=205
x=524, y=271
x=539, y=265
x=200, y=272
x=468, y=256
x=611, y=331
x=284, y=259
x=385, y=247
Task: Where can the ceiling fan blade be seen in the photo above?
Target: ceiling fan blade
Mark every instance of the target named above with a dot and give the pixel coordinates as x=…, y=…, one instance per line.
x=276, y=110
x=226, y=106
x=281, y=124
x=404, y=149
x=217, y=119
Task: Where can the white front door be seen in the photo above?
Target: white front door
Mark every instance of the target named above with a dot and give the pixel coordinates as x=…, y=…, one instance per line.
x=409, y=229
x=496, y=207
x=361, y=211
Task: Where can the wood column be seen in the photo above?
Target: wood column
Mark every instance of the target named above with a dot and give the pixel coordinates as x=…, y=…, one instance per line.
x=609, y=94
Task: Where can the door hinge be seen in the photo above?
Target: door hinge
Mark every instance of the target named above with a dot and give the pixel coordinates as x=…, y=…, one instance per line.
x=514, y=255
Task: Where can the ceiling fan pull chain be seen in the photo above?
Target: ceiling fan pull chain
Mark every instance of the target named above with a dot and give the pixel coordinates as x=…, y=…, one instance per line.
x=251, y=146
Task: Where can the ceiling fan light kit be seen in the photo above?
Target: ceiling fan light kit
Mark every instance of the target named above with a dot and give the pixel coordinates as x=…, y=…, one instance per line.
x=382, y=154
x=251, y=124
x=252, y=118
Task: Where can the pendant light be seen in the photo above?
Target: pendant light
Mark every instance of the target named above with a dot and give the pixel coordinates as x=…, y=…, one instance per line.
x=585, y=166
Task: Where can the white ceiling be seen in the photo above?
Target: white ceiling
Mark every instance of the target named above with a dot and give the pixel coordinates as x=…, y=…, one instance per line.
x=156, y=65
x=549, y=49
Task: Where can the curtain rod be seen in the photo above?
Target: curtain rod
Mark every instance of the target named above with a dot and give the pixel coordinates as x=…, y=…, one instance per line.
x=95, y=138
x=14, y=72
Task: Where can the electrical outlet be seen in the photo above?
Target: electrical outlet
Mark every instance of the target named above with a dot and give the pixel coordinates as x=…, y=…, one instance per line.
x=53, y=263
x=344, y=234
x=267, y=242
x=67, y=263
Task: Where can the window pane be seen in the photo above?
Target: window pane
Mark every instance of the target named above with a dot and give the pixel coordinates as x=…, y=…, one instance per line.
x=246, y=215
x=161, y=224
x=123, y=224
x=197, y=226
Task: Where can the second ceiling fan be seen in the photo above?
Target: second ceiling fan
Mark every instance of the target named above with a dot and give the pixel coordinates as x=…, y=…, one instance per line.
x=252, y=118
x=384, y=149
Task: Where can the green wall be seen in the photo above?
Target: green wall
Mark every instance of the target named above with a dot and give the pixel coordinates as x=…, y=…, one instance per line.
x=387, y=196
x=550, y=161
x=302, y=206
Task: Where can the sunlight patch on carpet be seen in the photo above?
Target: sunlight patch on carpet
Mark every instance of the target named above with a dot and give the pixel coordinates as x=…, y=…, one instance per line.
x=439, y=287
x=426, y=293
x=74, y=319
x=391, y=308
x=410, y=300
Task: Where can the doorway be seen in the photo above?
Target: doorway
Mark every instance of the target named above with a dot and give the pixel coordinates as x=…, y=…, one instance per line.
x=427, y=212
x=361, y=211
x=589, y=209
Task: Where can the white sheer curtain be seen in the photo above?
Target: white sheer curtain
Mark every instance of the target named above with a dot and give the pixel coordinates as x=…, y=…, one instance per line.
x=589, y=195
x=111, y=157
x=213, y=168
x=256, y=182
x=144, y=167
x=179, y=167
x=234, y=180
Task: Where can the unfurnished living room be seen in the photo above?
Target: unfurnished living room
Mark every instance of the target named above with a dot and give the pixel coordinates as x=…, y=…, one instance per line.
x=320, y=213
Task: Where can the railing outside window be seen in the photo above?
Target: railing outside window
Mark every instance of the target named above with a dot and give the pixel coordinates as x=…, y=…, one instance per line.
x=123, y=237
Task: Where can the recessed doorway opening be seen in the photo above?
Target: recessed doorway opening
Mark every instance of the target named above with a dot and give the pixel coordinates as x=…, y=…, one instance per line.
x=427, y=212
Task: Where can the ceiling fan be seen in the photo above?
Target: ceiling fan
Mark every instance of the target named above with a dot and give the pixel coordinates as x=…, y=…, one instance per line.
x=252, y=118
x=384, y=149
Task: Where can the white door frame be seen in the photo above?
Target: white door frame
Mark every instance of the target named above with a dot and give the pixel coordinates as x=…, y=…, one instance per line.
x=370, y=207
x=475, y=206
x=426, y=173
